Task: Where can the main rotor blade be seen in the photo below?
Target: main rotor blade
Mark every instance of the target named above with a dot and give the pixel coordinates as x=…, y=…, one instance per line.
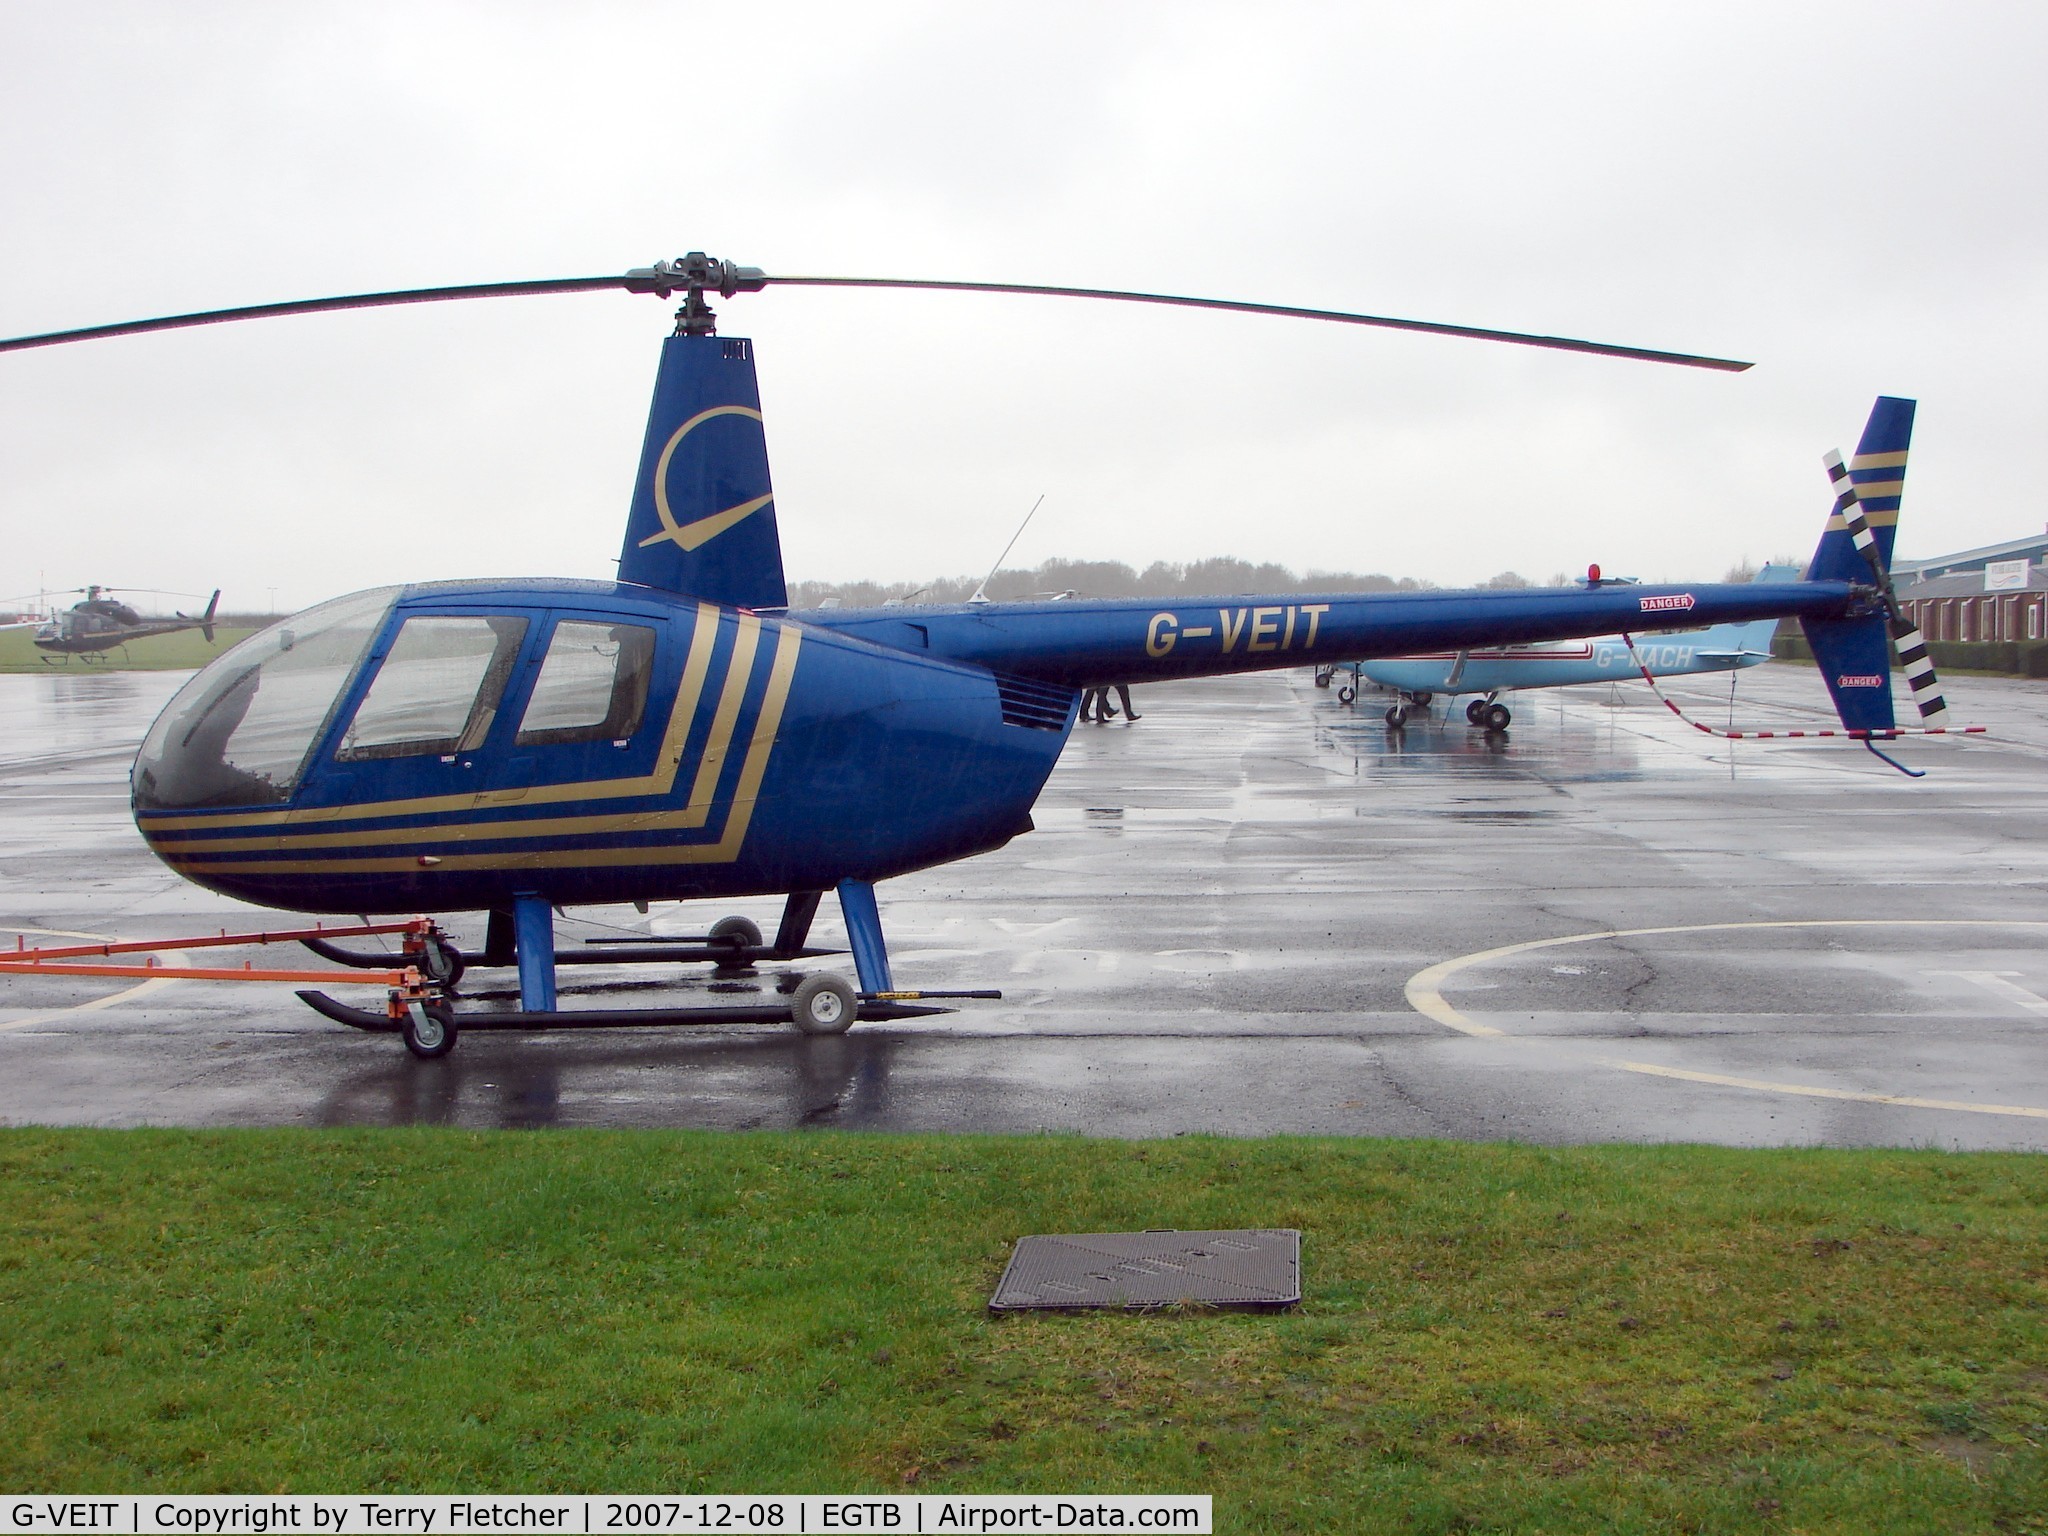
x=1428, y=327
x=663, y=278
x=317, y=306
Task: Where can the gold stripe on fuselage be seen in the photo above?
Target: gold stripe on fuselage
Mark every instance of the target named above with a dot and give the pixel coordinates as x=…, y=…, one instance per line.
x=682, y=715
x=738, y=673
x=746, y=791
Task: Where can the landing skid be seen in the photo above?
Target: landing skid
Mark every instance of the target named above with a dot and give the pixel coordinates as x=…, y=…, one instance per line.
x=420, y=981
x=822, y=1003
x=875, y=1010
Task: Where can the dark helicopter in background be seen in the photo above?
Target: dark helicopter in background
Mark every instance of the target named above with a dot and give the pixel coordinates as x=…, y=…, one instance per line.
x=513, y=747
x=100, y=623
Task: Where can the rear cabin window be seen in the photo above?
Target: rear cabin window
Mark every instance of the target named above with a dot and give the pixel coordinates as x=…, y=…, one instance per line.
x=592, y=686
x=438, y=689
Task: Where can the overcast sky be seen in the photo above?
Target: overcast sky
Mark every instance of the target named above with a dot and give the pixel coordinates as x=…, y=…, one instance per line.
x=1849, y=194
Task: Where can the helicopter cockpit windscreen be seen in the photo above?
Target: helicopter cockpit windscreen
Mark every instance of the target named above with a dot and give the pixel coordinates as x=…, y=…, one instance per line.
x=240, y=732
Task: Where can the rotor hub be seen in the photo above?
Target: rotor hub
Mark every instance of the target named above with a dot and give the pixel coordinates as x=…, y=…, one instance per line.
x=694, y=275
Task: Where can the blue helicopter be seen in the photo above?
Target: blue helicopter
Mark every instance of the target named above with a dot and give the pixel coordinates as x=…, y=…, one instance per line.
x=513, y=747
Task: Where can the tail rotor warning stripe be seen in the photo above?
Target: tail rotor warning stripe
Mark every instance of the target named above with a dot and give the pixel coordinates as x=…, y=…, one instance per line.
x=1912, y=646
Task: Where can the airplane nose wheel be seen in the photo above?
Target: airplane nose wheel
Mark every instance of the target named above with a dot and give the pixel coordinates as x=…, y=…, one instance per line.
x=1397, y=715
x=824, y=1005
x=429, y=1029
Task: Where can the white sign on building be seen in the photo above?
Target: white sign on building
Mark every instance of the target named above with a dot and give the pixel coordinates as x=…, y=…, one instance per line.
x=2006, y=576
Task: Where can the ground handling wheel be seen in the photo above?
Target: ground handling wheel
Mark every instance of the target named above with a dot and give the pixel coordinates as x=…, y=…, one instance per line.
x=744, y=929
x=439, y=961
x=1496, y=717
x=1475, y=712
x=824, y=1005
x=739, y=932
x=429, y=1029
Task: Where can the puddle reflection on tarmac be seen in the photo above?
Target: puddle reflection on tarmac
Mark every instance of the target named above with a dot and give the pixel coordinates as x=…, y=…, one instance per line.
x=768, y=1080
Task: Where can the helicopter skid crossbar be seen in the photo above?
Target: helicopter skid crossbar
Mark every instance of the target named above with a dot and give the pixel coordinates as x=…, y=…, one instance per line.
x=875, y=1011
x=616, y=952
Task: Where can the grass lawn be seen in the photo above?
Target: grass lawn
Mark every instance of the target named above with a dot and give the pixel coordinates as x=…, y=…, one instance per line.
x=159, y=653
x=1494, y=1337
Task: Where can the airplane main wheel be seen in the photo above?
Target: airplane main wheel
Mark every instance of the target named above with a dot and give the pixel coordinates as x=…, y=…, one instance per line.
x=429, y=1030
x=1497, y=717
x=1475, y=712
x=824, y=1005
x=1397, y=716
x=1421, y=700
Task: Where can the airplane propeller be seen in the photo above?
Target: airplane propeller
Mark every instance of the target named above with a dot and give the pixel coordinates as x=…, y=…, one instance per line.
x=695, y=274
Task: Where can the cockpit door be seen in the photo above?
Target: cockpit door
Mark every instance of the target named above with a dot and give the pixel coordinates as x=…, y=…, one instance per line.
x=590, y=710
x=424, y=721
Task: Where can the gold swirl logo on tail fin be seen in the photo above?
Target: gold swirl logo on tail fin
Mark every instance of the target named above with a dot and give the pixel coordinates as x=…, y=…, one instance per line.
x=689, y=536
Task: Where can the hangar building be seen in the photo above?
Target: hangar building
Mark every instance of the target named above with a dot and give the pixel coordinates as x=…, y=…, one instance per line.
x=1997, y=593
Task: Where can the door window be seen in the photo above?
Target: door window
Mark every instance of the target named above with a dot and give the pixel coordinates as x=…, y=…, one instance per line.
x=592, y=686
x=438, y=689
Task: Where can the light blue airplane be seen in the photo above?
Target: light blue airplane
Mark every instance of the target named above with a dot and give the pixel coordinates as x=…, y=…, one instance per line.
x=1417, y=680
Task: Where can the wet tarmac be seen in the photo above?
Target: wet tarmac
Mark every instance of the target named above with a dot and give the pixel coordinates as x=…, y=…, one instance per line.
x=1255, y=911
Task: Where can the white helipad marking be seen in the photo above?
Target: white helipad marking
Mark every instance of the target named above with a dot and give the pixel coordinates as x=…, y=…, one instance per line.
x=140, y=989
x=1425, y=996
x=1996, y=984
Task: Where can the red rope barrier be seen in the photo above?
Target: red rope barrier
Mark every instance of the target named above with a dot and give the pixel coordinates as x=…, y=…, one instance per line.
x=1891, y=735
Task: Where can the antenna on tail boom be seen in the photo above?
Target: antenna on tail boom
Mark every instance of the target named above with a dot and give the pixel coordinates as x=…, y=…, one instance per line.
x=981, y=592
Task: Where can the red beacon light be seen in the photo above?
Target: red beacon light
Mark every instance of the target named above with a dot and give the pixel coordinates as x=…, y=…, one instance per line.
x=1592, y=575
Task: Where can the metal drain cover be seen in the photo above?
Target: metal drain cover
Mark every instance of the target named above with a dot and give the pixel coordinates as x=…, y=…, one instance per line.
x=1256, y=1268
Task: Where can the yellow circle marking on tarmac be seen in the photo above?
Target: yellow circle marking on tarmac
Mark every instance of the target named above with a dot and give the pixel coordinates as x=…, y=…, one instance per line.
x=140, y=989
x=1425, y=995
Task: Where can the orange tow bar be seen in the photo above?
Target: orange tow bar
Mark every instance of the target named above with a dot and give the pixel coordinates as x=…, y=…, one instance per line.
x=409, y=982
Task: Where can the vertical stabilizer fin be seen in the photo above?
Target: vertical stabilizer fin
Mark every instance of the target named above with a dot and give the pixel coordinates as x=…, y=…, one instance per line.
x=1854, y=655
x=703, y=518
x=1878, y=473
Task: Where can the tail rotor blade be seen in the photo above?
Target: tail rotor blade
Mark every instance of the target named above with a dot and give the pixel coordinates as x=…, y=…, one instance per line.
x=1906, y=636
